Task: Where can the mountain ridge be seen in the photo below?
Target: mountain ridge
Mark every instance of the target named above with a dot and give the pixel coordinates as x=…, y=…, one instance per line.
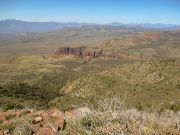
x=15, y=26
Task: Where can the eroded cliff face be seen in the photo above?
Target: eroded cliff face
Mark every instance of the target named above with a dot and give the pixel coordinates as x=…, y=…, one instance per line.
x=86, y=52
x=80, y=52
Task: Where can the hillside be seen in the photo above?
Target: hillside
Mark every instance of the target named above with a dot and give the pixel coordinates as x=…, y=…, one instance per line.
x=76, y=90
x=71, y=79
x=147, y=44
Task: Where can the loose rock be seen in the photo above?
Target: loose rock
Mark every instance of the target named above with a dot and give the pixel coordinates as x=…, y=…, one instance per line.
x=37, y=119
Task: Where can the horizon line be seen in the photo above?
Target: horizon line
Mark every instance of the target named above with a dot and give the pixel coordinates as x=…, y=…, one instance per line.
x=113, y=22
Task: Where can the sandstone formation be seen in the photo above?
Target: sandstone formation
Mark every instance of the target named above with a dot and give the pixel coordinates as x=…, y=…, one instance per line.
x=85, y=52
x=79, y=52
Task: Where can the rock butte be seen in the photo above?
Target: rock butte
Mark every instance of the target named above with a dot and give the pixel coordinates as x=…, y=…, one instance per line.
x=85, y=52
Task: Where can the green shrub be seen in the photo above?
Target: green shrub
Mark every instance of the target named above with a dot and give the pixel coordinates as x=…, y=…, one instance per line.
x=139, y=106
x=10, y=106
x=174, y=107
x=28, y=92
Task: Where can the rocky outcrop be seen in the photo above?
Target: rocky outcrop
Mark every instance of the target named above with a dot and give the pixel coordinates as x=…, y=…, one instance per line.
x=44, y=122
x=92, y=53
x=79, y=52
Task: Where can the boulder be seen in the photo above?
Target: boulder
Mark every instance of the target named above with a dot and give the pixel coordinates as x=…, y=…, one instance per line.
x=52, y=118
x=57, y=120
x=37, y=119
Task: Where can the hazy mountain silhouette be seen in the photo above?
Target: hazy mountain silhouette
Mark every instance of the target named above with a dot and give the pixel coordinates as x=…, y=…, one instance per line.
x=15, y=26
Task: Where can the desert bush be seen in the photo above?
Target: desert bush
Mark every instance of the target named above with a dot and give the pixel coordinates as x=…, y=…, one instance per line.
x=174, y=106
x=112, y=117
x=139, y=106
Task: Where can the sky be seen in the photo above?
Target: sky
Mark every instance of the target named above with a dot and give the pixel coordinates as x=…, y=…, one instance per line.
x=92, y=11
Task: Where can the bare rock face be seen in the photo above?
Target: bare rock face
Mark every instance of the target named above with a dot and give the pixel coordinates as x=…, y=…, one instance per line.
x=93, y=53
x=76, y=51
x=80, y=52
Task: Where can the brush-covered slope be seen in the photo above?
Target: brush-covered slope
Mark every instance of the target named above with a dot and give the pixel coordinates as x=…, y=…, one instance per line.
x=147, y=44
x=67, y=81
x=147, y=85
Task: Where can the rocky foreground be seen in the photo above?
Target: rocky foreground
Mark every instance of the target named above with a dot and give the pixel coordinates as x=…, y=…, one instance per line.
x=40, y=121
x=43, y=122
x=85, y=121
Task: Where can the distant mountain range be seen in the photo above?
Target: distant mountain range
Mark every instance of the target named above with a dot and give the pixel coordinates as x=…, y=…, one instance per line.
x=13, y=26
x=16, y=26
x=148, y=25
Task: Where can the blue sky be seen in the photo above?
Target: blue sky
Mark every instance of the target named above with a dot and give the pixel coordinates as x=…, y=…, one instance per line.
x=92, y=11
